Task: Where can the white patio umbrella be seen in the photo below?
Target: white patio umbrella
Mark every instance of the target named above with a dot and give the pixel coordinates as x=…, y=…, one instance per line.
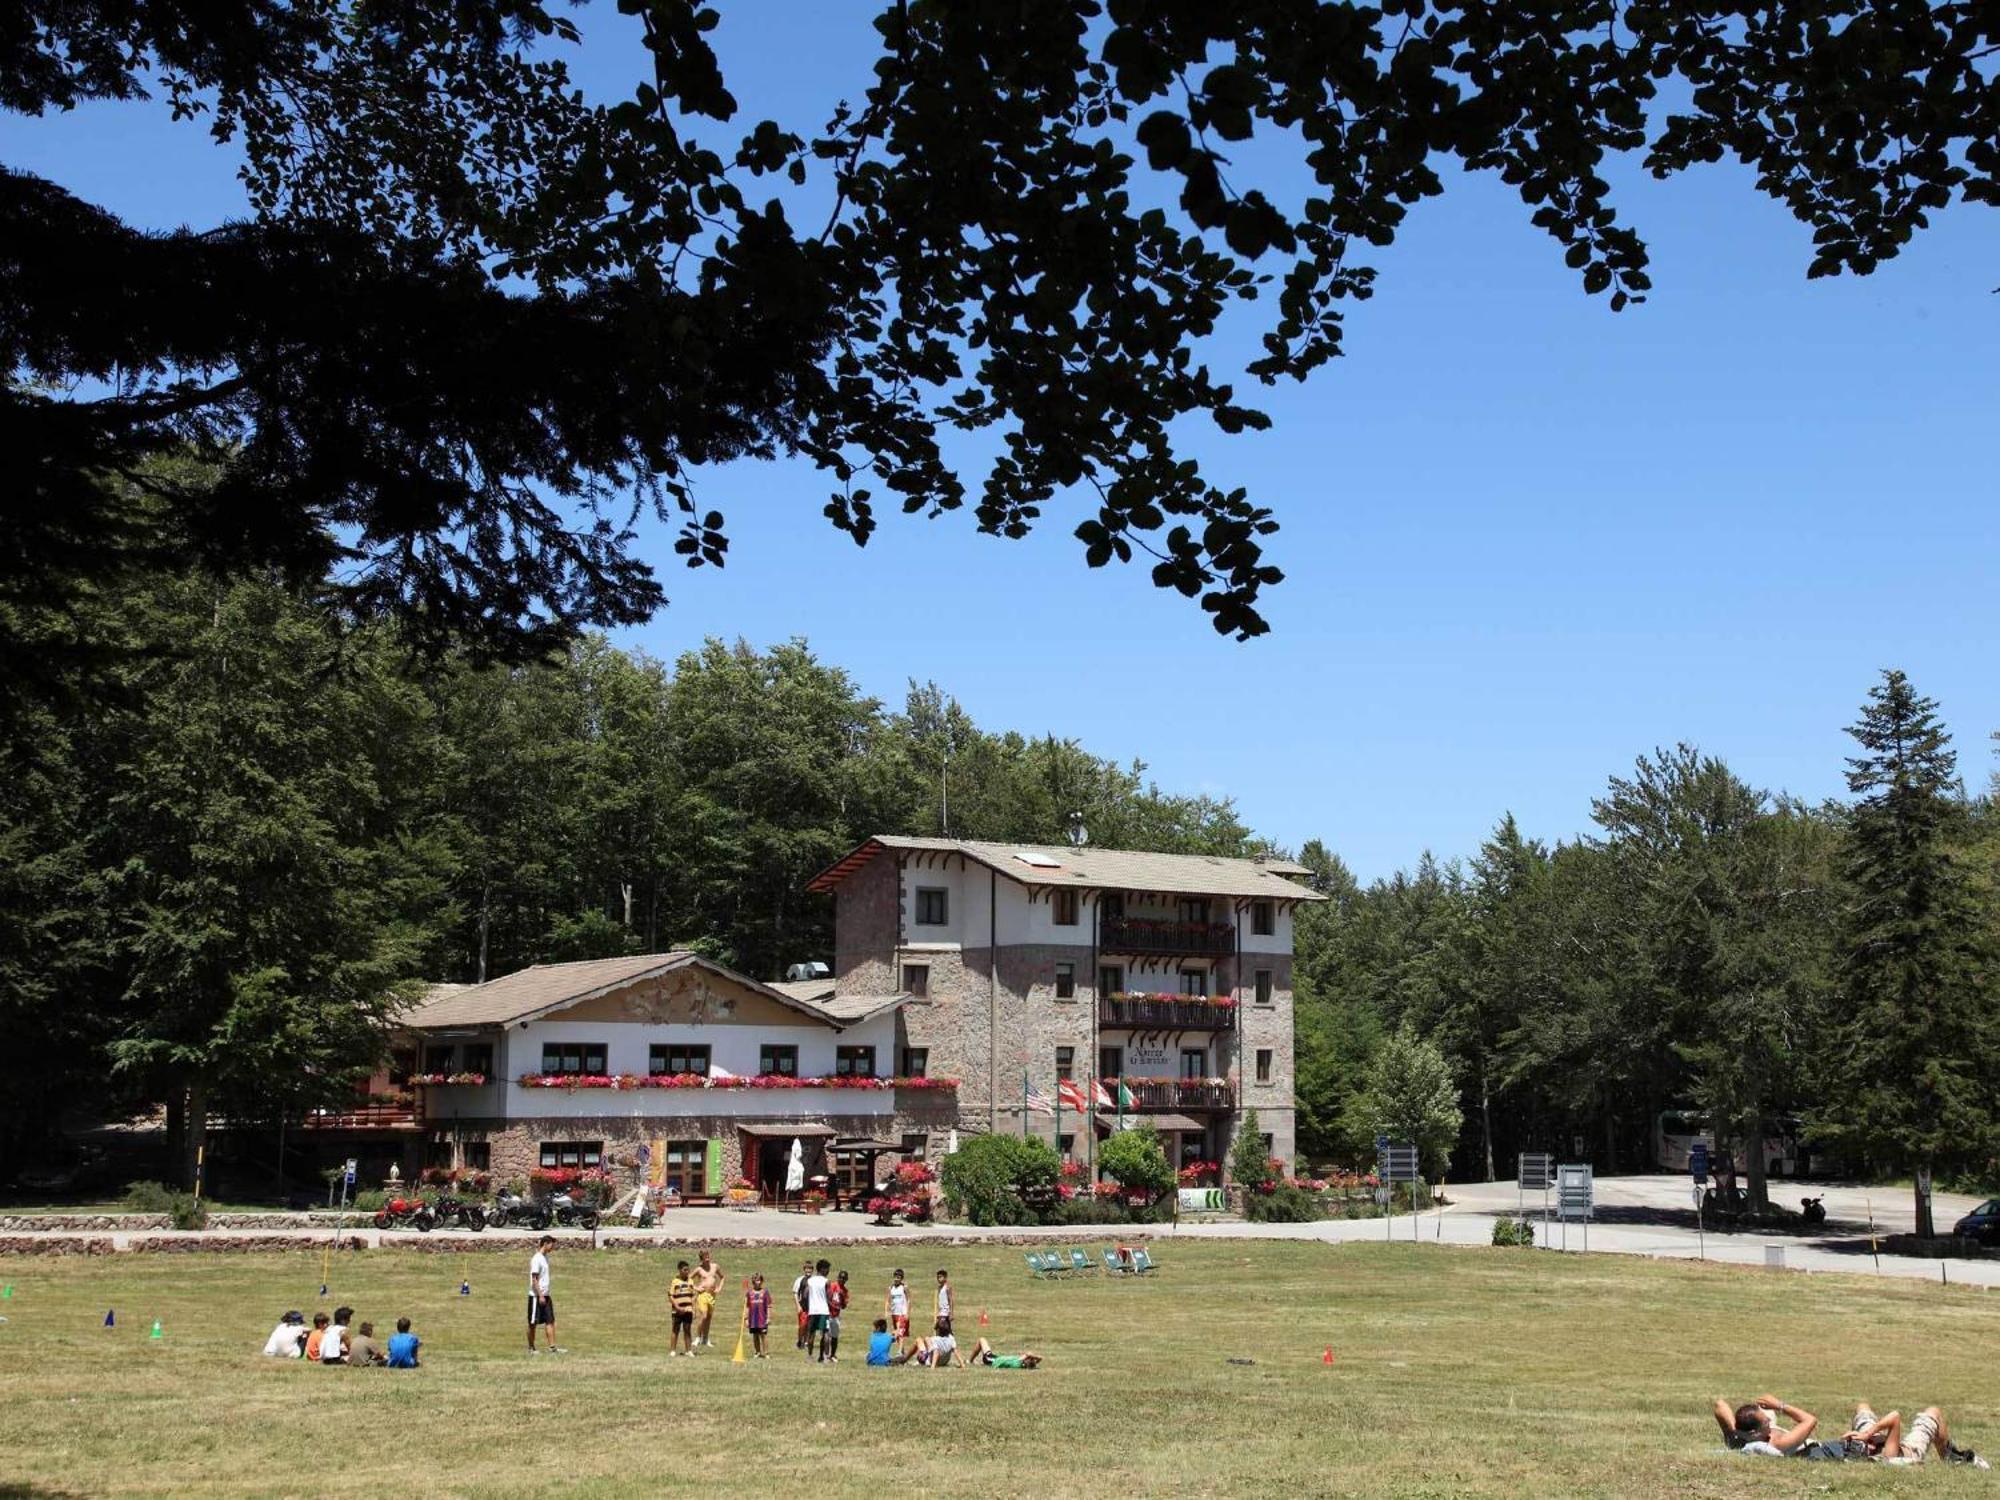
x=795, y=1169
x=951, y=1144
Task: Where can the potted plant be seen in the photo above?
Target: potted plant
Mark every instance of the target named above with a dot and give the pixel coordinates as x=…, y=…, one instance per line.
x=740, y=1194
x=813, y=1201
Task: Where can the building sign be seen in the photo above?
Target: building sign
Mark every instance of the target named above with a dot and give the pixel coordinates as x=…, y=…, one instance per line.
x=1151, y=1062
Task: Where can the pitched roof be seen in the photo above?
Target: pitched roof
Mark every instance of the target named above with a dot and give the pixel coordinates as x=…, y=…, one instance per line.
x=1093, y=868
x=844, y=1009
x=531, y=992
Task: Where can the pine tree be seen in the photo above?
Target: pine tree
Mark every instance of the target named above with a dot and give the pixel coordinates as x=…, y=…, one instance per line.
x=1919, y=1031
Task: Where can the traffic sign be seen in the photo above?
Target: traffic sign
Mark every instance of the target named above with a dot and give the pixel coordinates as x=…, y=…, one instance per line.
x=1537, y=1171
x=1698, y=1161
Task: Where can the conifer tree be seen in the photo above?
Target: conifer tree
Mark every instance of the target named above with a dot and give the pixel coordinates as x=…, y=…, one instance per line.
x=1918, y=1033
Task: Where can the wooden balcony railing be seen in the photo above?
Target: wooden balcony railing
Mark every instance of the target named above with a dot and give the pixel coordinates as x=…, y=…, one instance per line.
x=1164, y=1094
x=1168, y=1013
x=365, y=1113
x=1152, y=935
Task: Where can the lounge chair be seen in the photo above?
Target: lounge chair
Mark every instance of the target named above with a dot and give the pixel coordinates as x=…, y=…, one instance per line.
x=1081, y=1263
x=1116, y=1264
x=1039, y=1268
x=1142, y=1262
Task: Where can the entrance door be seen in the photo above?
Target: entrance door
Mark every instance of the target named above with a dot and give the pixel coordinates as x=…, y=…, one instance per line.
x=773, y=1156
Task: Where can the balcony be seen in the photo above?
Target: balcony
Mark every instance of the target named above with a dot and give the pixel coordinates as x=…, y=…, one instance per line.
x=1165, y=1013
x=1154, y=935
x=1152, y=1095
x=369, y=1112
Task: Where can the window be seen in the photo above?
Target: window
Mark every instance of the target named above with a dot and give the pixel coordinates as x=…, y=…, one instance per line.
x=573, y=1057
x=1263, y=1064
x=1270, y=1145
x=933, y=906
x=855, y=1062
x=479, y=1156
x=479, y=1058
x=1111, y=904
x=1194, y=908
x=1194, y=981
x=1263, y=986
x=916, y=1146
x=1194, y=1062
x=1065, y=908
x=437, y=1152
x=1066, y=1144
x=439, y=1058
x=853, y=1173
x=916, y=979
x=687, y=1168
x=572, y=1153
x=1065, y=1062
x=1110, y=1062
x=782, y=1061
x=916, y=1062
x=1262, y=920
x=677, y=1057
x=1111, y=980
x=1065, y=981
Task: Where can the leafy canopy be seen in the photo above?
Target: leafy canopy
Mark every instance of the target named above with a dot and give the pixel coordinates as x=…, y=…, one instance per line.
x=478, y=324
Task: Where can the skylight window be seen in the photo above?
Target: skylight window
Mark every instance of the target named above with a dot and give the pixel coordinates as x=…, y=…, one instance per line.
x=1039, y=861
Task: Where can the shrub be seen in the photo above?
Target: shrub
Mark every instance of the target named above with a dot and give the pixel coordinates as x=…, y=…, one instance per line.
x=1248, y=1166
x=1283, y=1204
x=149, y=1197
x=369, y=1199
x=1090, y=1211
x=1508, y=1230
x=187, y=1212
x=989, y=1178
x=1136, y=1161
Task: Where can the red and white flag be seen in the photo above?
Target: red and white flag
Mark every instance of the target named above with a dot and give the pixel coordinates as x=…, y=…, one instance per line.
x=1104, y=1100
x=1071, y=1094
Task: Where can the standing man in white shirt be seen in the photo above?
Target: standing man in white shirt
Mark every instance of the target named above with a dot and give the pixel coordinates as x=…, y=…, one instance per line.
x=541, y=1302
x=943, y=1325
x=816, y=1311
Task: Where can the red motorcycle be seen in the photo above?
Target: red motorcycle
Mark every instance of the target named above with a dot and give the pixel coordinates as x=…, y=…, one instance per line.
x=406, y=1213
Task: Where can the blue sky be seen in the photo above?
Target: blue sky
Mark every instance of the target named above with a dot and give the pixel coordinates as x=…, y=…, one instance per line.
x=1525, y=540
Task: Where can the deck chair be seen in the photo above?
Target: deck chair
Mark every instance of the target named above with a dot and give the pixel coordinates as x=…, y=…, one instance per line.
x=1113, y=1264
x=1080, y=1263
x=1142, y=1262
x=1037, y=1267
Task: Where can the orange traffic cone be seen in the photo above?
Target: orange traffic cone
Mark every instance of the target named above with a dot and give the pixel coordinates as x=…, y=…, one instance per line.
x=1327, y=1358
x=983, y=1319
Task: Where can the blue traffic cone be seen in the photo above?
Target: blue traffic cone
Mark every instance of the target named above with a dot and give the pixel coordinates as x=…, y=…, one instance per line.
x=465, y=1289
x=110, y=1317
x=322, y=1288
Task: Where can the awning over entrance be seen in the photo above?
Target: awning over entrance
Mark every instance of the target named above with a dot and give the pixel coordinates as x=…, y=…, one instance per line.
x=1164, y=1123
x=862, y=1147
x=800, y=1128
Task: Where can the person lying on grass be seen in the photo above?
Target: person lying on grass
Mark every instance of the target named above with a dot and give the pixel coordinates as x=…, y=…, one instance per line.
x=935, y=1353
x=983, y=1353
x=1753, y=1428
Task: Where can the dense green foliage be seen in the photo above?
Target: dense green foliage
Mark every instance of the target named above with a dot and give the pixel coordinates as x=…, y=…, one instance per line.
x=476, y=313
x=1284, y=1204
x=1409, y=1096
x=1774, y=965
x=1136, y=1161
x=991, y=1179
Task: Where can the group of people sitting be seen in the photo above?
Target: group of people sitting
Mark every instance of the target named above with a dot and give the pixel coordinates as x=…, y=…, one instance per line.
x=328, y=1341
x=1777, y=1429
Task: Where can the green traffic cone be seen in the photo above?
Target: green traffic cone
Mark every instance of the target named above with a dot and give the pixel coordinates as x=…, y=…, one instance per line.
x=8, y=1292
x=156, y=1334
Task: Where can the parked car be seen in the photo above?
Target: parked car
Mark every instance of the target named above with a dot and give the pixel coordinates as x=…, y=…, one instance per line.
x=1982, y=1224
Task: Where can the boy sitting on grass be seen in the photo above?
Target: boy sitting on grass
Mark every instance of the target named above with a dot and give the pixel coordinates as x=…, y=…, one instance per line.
x=403, y=1346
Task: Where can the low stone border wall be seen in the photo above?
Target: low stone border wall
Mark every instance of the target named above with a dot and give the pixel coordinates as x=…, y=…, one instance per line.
x=139, y=1223
x=1938, y=1247
x=30, y=1223
x=57, y=1245
x=171, y=1243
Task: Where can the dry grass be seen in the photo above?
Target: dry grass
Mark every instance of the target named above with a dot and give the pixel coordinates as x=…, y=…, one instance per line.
x=1457, y=1372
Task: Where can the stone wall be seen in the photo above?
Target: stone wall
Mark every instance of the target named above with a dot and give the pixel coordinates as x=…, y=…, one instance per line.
x=867, y=925
x=1260, y=1026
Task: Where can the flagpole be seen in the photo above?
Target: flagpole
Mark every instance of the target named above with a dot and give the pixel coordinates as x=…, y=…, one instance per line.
x=1024, y=1104
x=1058, y=1124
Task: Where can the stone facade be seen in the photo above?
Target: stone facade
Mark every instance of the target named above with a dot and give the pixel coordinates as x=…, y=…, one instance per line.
x=988, y=1028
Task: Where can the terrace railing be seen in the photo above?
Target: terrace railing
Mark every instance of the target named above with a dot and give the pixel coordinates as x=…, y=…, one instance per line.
x=1157, y=935
x=1165, y=1013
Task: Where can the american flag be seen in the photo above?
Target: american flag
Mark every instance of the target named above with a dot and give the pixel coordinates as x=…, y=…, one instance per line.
x=1035, y=1099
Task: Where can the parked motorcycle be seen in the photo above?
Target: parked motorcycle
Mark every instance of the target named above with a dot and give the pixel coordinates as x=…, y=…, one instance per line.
x=511, y=1211
x=406, y=1213
x=457, y=1211
x=1813, y=1210
x=571, y=1213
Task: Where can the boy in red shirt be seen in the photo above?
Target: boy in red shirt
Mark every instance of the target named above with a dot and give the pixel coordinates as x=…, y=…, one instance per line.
x=836, y=1301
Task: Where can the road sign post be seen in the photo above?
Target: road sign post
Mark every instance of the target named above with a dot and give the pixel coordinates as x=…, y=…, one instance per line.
x=1535, y=1172
x=1575, y=1198
x=1394, y=1164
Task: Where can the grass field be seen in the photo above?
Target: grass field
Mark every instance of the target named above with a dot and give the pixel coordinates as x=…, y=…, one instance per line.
x=1456, y=1373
